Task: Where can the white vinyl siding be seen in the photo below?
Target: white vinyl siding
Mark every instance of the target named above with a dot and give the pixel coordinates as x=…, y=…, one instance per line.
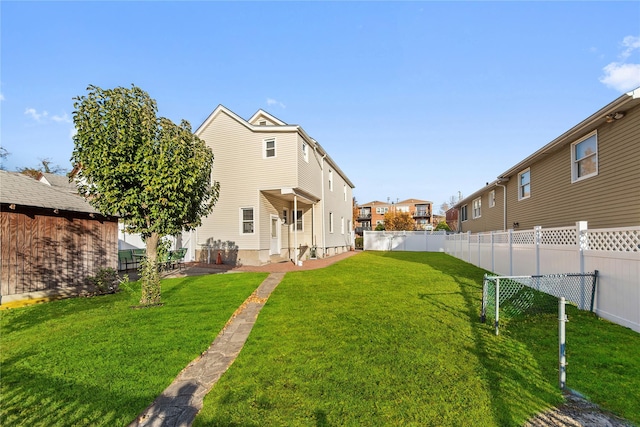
x=584, y=157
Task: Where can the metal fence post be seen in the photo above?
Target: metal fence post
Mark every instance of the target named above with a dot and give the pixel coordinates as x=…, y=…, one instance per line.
x=562, y=319
x=497, y=306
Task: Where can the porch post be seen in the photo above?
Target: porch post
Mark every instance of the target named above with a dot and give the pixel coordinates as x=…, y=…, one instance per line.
x=295, y=229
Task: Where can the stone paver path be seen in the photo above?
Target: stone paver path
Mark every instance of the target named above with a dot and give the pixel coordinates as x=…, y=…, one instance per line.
x=182, y=400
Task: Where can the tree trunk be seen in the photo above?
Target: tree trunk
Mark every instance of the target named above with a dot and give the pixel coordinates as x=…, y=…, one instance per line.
x=150, y=275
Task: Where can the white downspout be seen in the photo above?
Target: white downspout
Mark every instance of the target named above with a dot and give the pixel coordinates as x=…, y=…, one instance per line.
x=504, y=205
x=324, y=243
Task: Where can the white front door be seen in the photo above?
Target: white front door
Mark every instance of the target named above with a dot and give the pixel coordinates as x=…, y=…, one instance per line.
x=274, y=246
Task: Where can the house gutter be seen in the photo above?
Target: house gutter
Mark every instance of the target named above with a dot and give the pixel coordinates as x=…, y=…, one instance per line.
x=586, y=125
x=504, y=201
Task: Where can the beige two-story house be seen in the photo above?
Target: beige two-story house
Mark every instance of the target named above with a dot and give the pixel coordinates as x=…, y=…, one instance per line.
x=282, y=197
x=589, y=173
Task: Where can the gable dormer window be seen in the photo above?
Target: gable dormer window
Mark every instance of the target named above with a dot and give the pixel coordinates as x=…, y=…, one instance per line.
x=262, y=123
x=269, y=147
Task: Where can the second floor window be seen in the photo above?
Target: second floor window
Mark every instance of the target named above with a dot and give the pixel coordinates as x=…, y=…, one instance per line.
x=463, y=213
x=492, y=198
x=524, y=184
x=477, y=205
x=584, y=157
x=330, y=180
x=305, y=151
x=270, y=147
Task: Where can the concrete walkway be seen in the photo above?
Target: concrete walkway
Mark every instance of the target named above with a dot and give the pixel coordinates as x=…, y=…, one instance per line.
x=182, y=400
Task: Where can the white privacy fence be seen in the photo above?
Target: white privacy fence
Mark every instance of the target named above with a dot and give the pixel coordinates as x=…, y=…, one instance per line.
x=412, y=241
x=614, y=252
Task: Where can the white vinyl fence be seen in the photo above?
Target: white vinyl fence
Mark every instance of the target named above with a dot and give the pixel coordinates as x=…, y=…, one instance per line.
x=412, y=241
x=614, y=252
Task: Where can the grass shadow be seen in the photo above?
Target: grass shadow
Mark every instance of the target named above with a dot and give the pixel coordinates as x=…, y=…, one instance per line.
x=511, y=373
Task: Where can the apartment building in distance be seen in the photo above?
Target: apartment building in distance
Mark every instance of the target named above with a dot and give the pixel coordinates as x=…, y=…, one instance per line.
x=372, y=214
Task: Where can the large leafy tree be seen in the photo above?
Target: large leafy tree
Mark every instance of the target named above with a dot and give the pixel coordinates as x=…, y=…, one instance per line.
x=153, y=174
x=398, y=221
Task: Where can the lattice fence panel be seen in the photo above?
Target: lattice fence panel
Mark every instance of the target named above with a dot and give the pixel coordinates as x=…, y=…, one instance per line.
x=627, y=240
x=485, y=238
x=559, y=236
x=501, y=237
x=523, y=238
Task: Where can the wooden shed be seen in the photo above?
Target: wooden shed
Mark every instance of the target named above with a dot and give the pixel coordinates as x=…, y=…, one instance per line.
x=51, y=239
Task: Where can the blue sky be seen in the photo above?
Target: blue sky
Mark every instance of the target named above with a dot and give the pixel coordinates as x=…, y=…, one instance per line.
x=411, y=99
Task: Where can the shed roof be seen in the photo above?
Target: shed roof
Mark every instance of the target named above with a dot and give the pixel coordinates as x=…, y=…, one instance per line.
x=22, y=190
x=59, y=181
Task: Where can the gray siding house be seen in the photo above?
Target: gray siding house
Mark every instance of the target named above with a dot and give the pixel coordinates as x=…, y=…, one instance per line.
x=282, y=197
x=589, y=173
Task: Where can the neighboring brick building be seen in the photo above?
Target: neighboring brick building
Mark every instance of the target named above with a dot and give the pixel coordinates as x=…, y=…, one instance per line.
x=371, y=214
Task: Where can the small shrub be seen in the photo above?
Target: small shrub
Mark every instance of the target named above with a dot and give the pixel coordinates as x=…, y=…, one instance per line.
x=106, y=281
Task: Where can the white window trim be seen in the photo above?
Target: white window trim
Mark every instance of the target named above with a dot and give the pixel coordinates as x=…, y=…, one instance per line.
x=330, y=180
x=241, y=210
x=341, y=225
x=331, y=222
x=476, y=209
x=520, y=196
x=285, y=216
x=574, y=161
x=264, y=148
x=305, y=151
x=492, y=198
x=344, y=191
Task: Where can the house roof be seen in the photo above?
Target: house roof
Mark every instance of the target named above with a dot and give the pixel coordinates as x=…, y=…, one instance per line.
x=261, y=113
x=626, y=101
x=18, y=189
x=621, y=104
x=375, y=202
x=413, y=202
x=221, y=109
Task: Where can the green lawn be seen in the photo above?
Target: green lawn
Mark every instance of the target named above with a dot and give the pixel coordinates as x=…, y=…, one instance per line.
x=98, y=362
x=377, y=339
x=394, y=339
